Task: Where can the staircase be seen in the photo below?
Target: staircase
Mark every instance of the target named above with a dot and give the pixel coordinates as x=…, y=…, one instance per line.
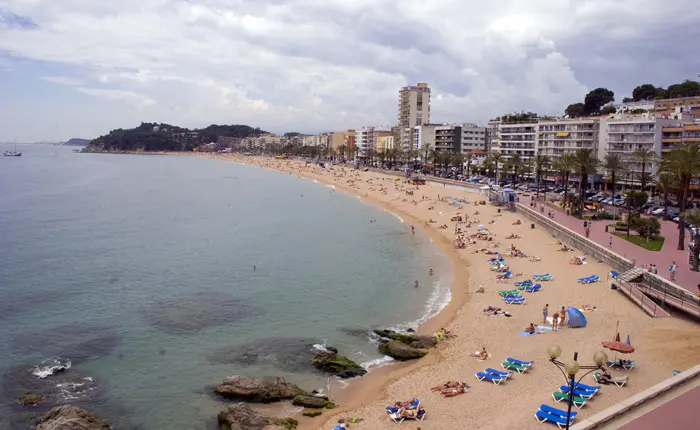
x=632, y=274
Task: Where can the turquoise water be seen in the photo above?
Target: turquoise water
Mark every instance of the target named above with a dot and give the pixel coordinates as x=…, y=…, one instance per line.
x=138, y=271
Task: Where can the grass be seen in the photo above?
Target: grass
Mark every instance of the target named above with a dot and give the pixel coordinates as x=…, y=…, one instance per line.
x=654, y=244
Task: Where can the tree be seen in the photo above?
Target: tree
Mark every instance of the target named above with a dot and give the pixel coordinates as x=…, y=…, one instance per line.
x=644, y=92
x=458, y=160
x=692, y=217
x=575, y=110
x=468, y=158
x=542, y=162
x=425, y=153
x=615, y=164
x=513, y=163
x=627, y=100
x=667, y=184
x=586, y=164
x=596, y=99
x=634, y=200
x=564, y=166
x=496, y=158
x=686, y=89
x=644, y=156
x=645, y=227
x=607, y=110
x=684, y=163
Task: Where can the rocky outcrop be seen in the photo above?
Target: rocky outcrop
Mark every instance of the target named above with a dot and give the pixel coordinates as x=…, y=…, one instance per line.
x=242, y=417
x=401, y=351
x=329, y=361
x=69, y=417
x=258, y=390
x=29, y=399
x=317, y=402
x=413, y=340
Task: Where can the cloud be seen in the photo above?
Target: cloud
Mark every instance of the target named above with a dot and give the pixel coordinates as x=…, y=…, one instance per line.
x=137, y=100
x=63, y=80
x=316, y=65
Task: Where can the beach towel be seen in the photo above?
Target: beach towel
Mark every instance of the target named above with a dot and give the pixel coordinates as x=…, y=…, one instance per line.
x=544, y=327
x=524, y=333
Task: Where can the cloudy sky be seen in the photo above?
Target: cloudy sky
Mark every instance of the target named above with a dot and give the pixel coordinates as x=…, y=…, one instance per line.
x=78, y=68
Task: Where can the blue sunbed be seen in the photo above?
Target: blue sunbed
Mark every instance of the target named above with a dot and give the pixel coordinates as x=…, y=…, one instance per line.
x=493, y=378
x=555, y=411
x=579, y=392
x=520, y=362
x=499, y=372
x=614, y=274
x=526, y=283
x=515, y=300
x=587, y=387
x=542, y=417
x=533, y=288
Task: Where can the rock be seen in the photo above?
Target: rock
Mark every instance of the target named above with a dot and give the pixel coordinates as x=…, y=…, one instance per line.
x=400, y=351
x=242, y=417
x=29, y=399
x=68, y=417
x=258, y=390
x=312, y=414
x=412, y=340
x=339, y=365
x=312, y=402
x=410, y=330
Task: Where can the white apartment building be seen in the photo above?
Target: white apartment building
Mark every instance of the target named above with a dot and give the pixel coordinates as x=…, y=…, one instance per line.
x=516, y=138
x=363, y=141
x=423, y=135
x=564, y=136
x=414, y=105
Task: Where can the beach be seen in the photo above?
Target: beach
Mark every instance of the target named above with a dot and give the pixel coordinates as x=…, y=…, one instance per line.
x=662, y=345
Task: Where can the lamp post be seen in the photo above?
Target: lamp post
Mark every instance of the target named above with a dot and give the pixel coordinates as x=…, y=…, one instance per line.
x=570, y=369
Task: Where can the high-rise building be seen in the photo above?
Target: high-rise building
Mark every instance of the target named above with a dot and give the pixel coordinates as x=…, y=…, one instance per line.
x=414, y=105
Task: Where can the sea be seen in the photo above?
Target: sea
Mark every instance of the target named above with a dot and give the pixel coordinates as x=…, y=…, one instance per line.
x=130, y=285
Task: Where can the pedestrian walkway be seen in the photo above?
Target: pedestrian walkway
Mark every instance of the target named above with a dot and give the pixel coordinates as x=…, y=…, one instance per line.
x=685, y=278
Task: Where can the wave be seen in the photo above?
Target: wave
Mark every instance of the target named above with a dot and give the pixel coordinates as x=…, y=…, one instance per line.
x=331, y=186
x=76, y=389
x=50, y=367
x=315, y=181
x=438, y=300
x=376, y=362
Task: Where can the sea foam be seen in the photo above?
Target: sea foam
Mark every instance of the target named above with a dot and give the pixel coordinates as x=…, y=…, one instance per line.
x=51, y=367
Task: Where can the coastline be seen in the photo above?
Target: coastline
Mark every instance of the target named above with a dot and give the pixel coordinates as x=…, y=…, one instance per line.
x=366, y=396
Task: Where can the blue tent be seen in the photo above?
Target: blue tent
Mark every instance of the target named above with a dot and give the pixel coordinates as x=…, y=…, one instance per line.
x=576, y=318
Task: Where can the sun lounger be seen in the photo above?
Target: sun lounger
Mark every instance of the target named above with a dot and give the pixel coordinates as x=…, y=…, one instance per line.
x=506, y=275
x=629, y=365
x=505, y=293
x=589, y=279
x=555, y=411
x=581, y=386
x=512, y=366
x=515, y=300
x=520, y=362
x=613, y=274
x=526, y=283
x=540, y=278
x=578, y=392
x=414, y=405
x=543, y=417
x=499, y=373
x=620, y=382
x=493, y=378
x=398, y=418
x=579, y=402
x=533, y=288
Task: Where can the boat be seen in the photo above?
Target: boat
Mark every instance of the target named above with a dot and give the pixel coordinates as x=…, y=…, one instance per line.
x=12, y=153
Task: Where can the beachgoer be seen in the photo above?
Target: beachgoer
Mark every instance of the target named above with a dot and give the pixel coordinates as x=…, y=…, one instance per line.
x=451, y=392
x=408, y=413
x=404, y=404
x=555, y=320
x=530, y=329
x=672, y=269
x=545, y=312
x=413, y=230
x=610, y=242
x=430, y=272
x=649, y=268
x=653, y=269
x=416, y=284
x=604, y=377
x=562, y=316
x=254, y=268
x=446, y=385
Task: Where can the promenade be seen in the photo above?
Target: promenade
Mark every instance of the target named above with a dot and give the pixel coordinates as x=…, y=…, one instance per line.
x=685, y=278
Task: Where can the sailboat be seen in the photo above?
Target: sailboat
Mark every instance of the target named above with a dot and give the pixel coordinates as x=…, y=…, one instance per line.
x=12, y=153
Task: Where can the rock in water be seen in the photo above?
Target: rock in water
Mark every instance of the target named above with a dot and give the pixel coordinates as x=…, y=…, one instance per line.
x=29, y=399
x=242, y=417
x=312, y=402
x=329, y=361
x=258, y=390
x=68, y=417
x=400, y=351
x=412, y=340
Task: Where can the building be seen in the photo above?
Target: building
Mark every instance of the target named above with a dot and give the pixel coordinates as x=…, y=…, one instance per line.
x=474, y=140
x=564, y=136
x=516, y=138
x=693, y=103
x=414, y=106
x=364, y=139
x=385, y=142
x=678, y=133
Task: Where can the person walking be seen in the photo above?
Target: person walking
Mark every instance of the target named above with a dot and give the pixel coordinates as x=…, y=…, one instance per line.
x=653, y=269
x=562, y=316
x=545, y=312
x=610, y=242
x=555, y=320
x=672, y=269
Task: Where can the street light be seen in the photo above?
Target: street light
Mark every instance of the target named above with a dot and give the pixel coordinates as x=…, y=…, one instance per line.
x=570, y=369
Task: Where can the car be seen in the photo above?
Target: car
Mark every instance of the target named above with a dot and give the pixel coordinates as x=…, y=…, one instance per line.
x=658, y=211
x=607, y=201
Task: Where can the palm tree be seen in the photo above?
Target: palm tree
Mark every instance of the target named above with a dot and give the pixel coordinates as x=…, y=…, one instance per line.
x=684, y=162
x=514, y=162
x=342, y=149
x=644, y=156
x=497, y=159
x=587, y=164
x=542, y=162
x=564, y=166
x=692, y=217
x=425, y=153
x=457, y=159
x=615, y=164
x=468, y=160
x=666, y=184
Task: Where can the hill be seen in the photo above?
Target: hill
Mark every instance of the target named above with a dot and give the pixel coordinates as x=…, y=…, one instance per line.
x=76, y=141
x=165, y=137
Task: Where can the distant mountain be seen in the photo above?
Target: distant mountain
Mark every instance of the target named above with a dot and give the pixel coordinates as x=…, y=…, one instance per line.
x=165, y=137
x=76, y=141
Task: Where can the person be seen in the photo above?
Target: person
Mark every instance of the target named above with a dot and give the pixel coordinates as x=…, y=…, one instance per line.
x=672, y=269
x=408, y=413
x=649, y=268
x=698, y=293
x=404, y=404
x=481, y=355
x=430, y=272
x=447, y=385
x=545, y=312
x=604, y=377
x=610, y=242
x=555, y=320
x=531, y=329
x=447, y=332
x=254, y=268
x=413, y=230
x=416, y=284
x=562, y=316
x=491, y=308
x=653, y=269
x=456, y=391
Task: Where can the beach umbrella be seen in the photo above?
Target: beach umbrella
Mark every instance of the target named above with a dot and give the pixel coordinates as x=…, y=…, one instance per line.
x=617, y=346
x=481, y=227
x=628, y=340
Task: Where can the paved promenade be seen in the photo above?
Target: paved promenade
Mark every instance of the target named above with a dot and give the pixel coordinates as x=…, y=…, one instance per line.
x=680, y=413
x=663, y=259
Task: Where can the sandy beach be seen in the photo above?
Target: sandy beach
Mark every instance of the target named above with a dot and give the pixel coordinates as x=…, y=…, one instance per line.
x=662, y=344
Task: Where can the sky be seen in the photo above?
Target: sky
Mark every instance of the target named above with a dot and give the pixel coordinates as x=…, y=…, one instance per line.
x=79, y=68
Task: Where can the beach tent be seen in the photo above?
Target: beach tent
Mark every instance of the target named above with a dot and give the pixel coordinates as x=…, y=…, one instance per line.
x=481, y=227
x=576, y=318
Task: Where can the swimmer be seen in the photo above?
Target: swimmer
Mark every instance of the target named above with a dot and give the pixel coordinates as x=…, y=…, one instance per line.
x=430, y=272
x=416, y=284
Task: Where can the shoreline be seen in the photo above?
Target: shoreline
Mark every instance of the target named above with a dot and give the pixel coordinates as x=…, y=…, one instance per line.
x=378, y=378
x=662, y=344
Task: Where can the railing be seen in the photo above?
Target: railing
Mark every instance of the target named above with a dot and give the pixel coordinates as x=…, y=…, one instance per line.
x=634, y=293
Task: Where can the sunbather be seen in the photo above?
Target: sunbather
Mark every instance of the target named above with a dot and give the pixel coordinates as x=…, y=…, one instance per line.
x=589, y=308
x=408, y=413
x=530, y=329
x=404, y=404
x=576, y=261
x=446, y=386
x=455, y=391
x=604, y=377
x=492, y=308
x=481, y=355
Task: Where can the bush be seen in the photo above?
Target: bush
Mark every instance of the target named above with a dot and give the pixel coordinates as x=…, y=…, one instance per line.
x=646, y=227
x=605, y=215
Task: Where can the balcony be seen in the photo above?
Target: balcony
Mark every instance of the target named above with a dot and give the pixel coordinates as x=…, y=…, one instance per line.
x=672, y=130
